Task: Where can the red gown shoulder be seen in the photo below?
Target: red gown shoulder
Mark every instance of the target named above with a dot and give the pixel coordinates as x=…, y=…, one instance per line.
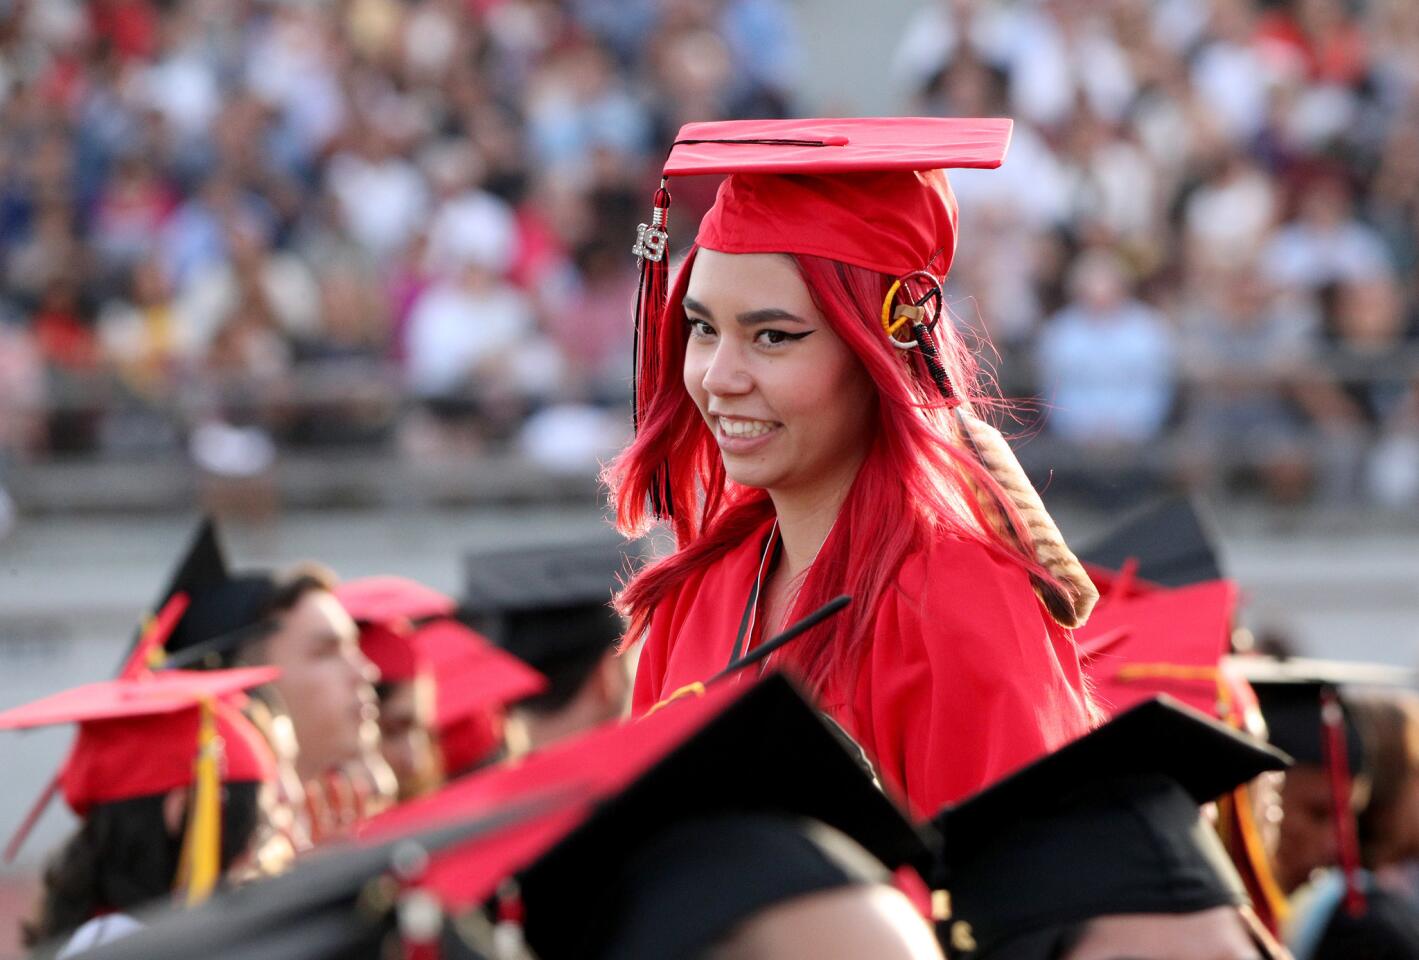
x=968, y=678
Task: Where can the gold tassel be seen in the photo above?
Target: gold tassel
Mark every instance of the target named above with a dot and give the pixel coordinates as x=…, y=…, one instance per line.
x=199, y=867
x=1069, y=603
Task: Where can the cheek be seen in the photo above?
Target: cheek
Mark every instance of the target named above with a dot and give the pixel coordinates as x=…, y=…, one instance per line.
x=322, y=676
x=834, y=398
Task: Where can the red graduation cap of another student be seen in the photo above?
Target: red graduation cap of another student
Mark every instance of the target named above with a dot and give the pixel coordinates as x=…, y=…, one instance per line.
x=1166, y=641
x=474, y=682
x=408, y=630
x=153, y=733
x=386, y=608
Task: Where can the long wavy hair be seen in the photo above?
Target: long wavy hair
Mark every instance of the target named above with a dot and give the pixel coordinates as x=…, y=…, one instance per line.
x=123, y=857
x=919, y=481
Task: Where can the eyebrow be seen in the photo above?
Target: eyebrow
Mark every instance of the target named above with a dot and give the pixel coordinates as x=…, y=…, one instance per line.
x=749, y=318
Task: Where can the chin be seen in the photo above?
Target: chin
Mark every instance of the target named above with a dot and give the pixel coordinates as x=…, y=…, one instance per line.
x=758, y=479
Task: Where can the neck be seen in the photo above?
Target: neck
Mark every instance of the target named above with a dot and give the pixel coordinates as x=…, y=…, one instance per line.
x=806, y=517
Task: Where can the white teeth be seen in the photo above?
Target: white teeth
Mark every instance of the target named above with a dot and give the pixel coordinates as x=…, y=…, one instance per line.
x=744, y=428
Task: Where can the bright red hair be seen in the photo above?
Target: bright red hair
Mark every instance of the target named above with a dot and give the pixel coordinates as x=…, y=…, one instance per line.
x=918, y=483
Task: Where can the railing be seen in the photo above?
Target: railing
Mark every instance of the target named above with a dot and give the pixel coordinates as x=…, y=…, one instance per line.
x=373, y=469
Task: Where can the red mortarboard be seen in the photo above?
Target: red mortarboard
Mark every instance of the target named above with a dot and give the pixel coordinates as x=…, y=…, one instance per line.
x=470, y=674
x=391, y=649
x=385, y=607
x=390, y=599
x=1163, y=641
x=140, y=736
x=868, y=192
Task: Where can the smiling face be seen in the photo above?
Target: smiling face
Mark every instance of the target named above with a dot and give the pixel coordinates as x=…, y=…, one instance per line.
x=788, y=403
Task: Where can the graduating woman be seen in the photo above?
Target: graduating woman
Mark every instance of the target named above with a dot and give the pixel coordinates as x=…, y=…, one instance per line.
x=165, y=777
x=809, y=424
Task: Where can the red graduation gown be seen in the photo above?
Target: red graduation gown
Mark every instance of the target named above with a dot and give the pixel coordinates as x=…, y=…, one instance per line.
x=967, y=677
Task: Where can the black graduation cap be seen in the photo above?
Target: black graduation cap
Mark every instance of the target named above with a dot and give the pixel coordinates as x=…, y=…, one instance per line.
x=1109, y=824
x=1293, y=693
x=697, y=880
x=1387, y=929
x=336, y=903
x=550, y=606
x=769, y=753
x=1171, y=541
x=224, y=610
x=1304, y=707
x=739, y=749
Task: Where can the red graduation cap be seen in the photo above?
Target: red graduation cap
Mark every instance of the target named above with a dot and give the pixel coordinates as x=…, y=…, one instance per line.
x=391, y=649
x=869, y=191
x=386, y=608
x=1162, y=641
x=140, y=736
x=474, y=682
x=471, y=674
x=152, y=733
x=391, y=599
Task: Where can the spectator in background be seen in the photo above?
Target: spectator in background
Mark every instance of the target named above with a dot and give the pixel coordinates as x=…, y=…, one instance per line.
x=51, y=249
x=468, y=224
x=281, y=281
x=1325, y=243
x=1107, y=364
x=195, y=238
x=473, y=352
x=1360, y=395
x=1229, y=216
x=579, y=112
x=1243, y=354
x=129, y=214
x=1230, y=73
x=379, y=194
x=142, y=336
x=22, y=395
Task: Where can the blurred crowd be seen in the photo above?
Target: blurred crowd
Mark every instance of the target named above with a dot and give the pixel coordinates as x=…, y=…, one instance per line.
x=229, y=226
x=1205, y=231
x=238, y=223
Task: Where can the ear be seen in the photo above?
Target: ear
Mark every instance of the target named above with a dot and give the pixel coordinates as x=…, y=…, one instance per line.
x=613, y=682
x=174, y=810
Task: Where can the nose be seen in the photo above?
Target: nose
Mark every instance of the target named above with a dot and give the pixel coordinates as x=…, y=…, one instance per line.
x=363, y=668
x=726, y=374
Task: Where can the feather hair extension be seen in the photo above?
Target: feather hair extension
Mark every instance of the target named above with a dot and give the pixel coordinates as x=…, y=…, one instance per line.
x=1072, y=598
